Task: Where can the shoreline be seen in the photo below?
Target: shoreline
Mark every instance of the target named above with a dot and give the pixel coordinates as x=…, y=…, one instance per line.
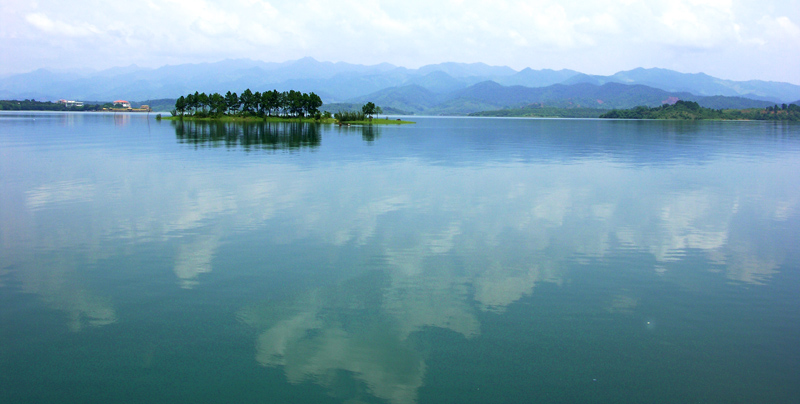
x=250, y=119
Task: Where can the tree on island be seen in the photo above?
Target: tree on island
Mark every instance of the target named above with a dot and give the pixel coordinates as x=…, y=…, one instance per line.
x=313, y=102
x=217, y=104
x=287, y=103
x=246, y=101
x=191, y=103
x=231, y=102
x=369, y=109
x=180, y=105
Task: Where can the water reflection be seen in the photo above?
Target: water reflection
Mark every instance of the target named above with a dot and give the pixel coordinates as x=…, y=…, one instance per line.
x=57, y=279
x=56, y=193
x=122, y=119
x=194, y=257
x=319, y=334
x=369, y=133
x=255, y=135
x=457, y=242
x=397, y=246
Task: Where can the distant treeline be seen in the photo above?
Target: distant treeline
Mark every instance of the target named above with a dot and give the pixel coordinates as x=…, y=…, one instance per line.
x=269, y=103
x=690, y=110
x=33, y=105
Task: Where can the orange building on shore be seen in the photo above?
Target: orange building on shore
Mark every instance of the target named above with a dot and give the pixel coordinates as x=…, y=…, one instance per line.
x=126, y=107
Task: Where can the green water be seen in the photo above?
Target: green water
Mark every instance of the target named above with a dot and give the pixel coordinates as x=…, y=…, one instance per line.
x=455, y=260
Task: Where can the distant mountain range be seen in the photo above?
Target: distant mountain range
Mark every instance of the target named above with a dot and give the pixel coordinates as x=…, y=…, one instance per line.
x=447, y=88
x=489, y=95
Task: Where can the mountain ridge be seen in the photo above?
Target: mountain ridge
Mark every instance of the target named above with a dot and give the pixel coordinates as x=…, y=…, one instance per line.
x=489, y=95
x=444, y=84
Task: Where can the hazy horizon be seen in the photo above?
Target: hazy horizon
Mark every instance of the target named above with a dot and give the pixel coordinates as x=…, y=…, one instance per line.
x=134, y=65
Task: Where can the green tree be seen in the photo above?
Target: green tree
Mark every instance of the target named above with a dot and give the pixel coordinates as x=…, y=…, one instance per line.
x=197, y=100
x=368, y=109
x=313, y=102
x=180, y=105
x=246, y=99
x=282, y=102
x=274, y=102
x=232, y=101
x=266, y=103
x=294, y=100
x=203, y=101
x=191, y=102
x=257, y=106
x=218, y=104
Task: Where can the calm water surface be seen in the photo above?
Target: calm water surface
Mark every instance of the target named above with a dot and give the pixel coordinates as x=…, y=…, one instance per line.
x=452, y=261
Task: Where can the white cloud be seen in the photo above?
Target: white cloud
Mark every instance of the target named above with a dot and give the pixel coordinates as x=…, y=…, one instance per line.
x=781, y=28
x=49, y=26
x=698, y=23
x=606, y=34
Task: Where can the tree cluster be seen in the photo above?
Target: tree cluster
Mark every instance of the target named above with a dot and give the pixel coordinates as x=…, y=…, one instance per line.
x=269, y=103
x=367, y=110
x=775, y=109
x=370, y=109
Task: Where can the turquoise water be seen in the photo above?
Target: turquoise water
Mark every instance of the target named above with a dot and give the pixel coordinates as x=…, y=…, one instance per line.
x=456, y=260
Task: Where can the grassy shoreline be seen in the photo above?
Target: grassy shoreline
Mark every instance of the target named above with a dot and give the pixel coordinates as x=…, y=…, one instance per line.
x=255, y=119
x=376, y=121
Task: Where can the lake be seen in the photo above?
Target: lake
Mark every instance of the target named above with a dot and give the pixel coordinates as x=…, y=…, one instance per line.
x=456, y=260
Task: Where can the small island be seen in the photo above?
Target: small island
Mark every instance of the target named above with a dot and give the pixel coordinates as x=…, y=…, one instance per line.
x=690, y=110
x=274, y=105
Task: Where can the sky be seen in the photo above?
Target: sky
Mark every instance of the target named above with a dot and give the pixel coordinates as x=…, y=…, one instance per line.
x=730, y=39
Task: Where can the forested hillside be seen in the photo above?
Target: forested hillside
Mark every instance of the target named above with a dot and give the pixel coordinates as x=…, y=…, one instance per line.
x=688, y=110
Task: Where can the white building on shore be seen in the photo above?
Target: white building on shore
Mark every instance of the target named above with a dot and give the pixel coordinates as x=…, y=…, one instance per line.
x=71, y=104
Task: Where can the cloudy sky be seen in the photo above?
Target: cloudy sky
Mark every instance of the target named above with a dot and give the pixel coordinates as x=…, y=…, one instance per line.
x=732, y=39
